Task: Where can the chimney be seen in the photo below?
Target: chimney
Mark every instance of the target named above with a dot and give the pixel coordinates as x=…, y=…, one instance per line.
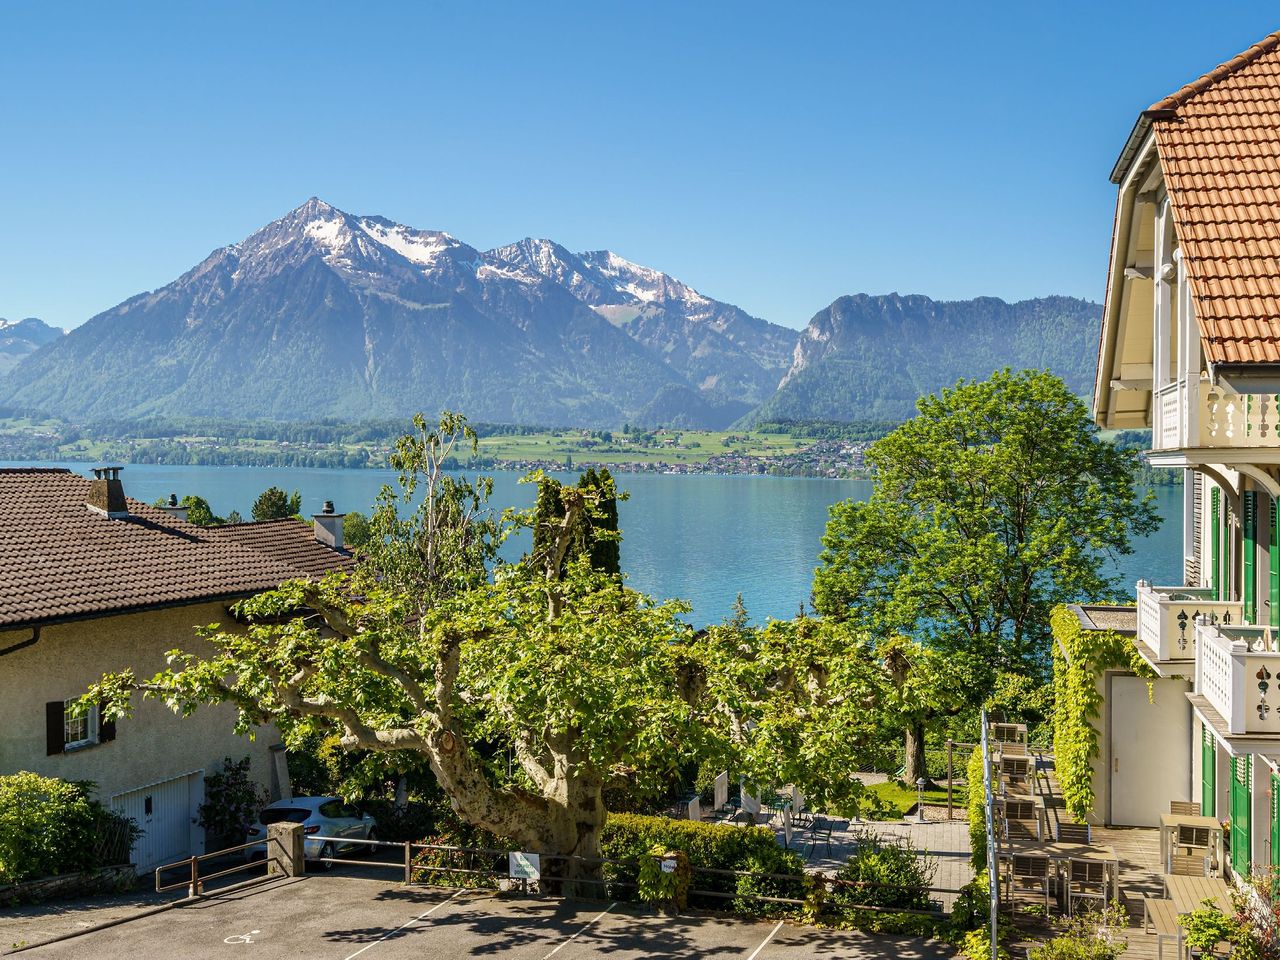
x=106, y=493
x=328, y=526
x=173, y=509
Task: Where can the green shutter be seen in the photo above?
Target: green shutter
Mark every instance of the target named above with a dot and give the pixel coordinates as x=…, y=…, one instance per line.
x=1215, y=525
x=1275, y=819
x=1208, y=775
x=1241, y=811
x=1250, y=505
x=1273, y=555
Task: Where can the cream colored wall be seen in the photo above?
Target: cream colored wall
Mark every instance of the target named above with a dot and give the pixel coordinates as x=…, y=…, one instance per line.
x=152, y=745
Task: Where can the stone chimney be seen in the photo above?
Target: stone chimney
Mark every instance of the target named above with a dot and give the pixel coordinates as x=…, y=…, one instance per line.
x=106, y=493
x=328, y=526
x=172, y=508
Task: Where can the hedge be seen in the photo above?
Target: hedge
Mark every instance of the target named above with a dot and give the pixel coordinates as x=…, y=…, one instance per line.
x=977, y=810
x=1080, y=657
x=629, y=837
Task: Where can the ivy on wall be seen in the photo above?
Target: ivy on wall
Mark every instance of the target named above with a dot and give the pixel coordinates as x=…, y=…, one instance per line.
x=1079, y=658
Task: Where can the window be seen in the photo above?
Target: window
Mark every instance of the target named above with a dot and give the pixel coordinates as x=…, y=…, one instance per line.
x=81, y=730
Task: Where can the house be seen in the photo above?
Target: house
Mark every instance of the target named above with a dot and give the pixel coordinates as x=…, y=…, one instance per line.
x=93, y=582
x=1191, y=350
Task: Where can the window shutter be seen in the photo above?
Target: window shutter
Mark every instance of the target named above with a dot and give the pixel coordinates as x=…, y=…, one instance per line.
x=106, y=728
x=55, y=732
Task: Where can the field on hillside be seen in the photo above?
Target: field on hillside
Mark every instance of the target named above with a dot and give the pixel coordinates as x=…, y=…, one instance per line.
x=668, y=446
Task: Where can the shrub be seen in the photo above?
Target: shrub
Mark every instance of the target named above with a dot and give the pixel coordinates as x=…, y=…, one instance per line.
x=976, y=944
x=1092, y=935
x=977, y=810
x=231, y=803
x=450, y=868
x=972, y=908
x=629, y=837
x=50, y=827
x=883, y=872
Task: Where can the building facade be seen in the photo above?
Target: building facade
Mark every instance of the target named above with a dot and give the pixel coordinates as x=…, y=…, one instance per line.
x=1190, y=350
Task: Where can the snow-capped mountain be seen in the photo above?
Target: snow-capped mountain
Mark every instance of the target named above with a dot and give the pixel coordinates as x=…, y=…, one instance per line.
x=21, y=338
x=322, y=313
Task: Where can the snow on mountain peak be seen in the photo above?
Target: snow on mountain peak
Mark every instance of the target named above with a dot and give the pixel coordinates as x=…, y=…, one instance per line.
x=417, y=246
x=643, y=283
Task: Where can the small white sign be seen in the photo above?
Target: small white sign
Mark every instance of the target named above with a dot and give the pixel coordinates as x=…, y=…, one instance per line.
x=668, y=866
x=524, y=866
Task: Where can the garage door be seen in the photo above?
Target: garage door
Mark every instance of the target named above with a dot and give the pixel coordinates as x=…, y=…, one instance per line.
x=165, y=812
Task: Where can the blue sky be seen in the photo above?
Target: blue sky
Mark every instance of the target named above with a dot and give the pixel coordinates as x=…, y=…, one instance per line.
x=773, y=155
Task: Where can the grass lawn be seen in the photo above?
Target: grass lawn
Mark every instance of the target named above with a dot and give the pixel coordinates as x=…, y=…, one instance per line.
x=685, y=446
x=896, y=799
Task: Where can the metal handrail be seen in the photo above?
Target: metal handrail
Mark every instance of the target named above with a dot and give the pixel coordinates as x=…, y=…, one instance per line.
x=195, y=882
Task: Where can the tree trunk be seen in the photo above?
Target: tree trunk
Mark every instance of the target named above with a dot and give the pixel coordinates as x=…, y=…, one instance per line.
x=915, y=762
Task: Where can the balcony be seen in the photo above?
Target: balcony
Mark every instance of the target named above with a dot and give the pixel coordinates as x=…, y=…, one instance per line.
x=1238, y=673
x=1189, y=413
x=1167, y=618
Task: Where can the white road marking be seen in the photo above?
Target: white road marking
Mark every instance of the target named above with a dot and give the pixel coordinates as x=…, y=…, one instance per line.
x=755, y=953
x=387, y=936
x=242, y=937
x=583, y=930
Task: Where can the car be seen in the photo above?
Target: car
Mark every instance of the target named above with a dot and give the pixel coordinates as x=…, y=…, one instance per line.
x=333, y=822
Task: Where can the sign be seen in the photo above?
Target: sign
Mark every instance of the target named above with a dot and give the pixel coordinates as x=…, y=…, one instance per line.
x=524, y=866
x=668, y=866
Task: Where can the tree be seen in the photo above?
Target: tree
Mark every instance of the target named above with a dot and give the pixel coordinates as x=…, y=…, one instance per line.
x=198, y=510
x=995, y=503
x=529, y=687
x=595, y=533
x=274, y=504
x=355, y=529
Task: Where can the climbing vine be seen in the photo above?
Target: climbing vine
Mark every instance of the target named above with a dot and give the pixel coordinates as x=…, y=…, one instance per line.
x=1079, y=658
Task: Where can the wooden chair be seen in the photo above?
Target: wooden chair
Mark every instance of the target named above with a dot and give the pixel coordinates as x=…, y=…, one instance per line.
x=1191, y=839
x=1030, y=872
x=1086, y=880
x=1182, y=866
x=1162, y=915
x=1184, y=808
x=1074, y=833
x=1013, y=748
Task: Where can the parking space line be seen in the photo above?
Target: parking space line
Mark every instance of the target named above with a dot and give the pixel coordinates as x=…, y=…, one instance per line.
x=578, y=934
x=388, y=936
x=764, y=943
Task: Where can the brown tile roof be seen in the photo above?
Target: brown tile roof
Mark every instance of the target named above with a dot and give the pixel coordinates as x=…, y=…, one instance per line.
x=60, y=560
x=1218, y=139
x=290, y=541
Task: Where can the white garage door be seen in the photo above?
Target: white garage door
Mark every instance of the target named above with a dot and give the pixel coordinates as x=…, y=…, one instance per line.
x=165, y=812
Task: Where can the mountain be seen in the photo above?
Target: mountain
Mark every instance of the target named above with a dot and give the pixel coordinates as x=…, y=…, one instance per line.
x=21, y=338
x=326, y=314
x=870, y=357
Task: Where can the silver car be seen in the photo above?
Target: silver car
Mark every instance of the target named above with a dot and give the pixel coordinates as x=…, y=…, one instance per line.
x=321, y=817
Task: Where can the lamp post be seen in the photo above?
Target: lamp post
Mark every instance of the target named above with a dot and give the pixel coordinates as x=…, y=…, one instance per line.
x=920, y=784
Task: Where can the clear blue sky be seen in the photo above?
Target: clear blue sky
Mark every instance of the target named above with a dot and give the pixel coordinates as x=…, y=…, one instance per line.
x=773, y=155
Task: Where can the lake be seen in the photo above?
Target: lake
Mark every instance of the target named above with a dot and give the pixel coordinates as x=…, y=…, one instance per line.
x=702, y=538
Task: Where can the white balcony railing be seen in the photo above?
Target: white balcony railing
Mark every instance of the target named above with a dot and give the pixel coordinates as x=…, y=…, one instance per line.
x=1196, y=413
x=1167, y=618
x=1238, y=672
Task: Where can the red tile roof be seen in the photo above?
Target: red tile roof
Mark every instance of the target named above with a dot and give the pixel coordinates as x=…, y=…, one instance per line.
x=59, y=559
x=1218, y=140
x=290, y=541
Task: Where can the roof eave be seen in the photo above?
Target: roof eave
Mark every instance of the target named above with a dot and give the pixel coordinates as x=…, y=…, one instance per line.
x=1133, y=145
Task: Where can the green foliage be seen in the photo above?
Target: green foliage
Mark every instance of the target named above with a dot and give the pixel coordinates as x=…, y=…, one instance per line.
x=461, y=868
x=977, y=810
x=595, y=533
x=356, y=530
x=997, y=502
x=1079, y=658
x=198, y=511
x=656, y=885
x=1089, y=935
x=630, y=838
x=1207, y=927
x=883, y=872
x=976, y=944
x=972, y=907
x=274, y=504
x=50, y=827
x=231, y=803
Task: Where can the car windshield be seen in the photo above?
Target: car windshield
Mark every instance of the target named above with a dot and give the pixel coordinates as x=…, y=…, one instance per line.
x=280, y=814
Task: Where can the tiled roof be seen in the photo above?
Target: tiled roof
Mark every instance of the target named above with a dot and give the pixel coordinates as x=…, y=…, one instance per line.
x=290, y=541
x=1218, y=139
x=59, y=559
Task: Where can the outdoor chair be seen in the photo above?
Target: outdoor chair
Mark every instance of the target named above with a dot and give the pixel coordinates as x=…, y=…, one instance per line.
x=1031, y=873
x=1013, y=748
x=1194, y=866
x=1024, y=829
x=1074, y=833
x=1184, y=808
x=1191, y=839
x=819, y=833
x=1086, y=880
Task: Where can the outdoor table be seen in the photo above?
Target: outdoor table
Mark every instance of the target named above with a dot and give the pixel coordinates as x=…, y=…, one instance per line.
x=1169, y=824
x=1061, y=853
x=1187, y=893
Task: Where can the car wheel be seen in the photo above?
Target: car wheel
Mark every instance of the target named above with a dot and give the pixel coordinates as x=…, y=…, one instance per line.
x=327, y=852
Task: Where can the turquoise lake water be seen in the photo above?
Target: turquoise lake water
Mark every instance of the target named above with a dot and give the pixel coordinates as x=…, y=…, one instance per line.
x=701, y=538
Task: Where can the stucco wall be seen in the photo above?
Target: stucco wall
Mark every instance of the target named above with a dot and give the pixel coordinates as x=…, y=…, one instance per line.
x=152, y=745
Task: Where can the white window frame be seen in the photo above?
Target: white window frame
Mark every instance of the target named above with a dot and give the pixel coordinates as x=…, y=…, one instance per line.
x=90, y=721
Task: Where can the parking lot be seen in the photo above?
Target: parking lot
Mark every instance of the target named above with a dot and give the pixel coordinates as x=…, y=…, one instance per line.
x=344, y=918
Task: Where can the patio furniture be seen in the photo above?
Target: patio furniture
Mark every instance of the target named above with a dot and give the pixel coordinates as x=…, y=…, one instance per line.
x=1191, y=866
x=1062, y=853
x=1171, y=824
x=1184, y=808
x=1086, y=880
x=1028, y=871
x=1009, y=732
x=1074, y=833
x=819, y=833
x=1161, y=915
x=1187, y=893
x=1013, y=749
